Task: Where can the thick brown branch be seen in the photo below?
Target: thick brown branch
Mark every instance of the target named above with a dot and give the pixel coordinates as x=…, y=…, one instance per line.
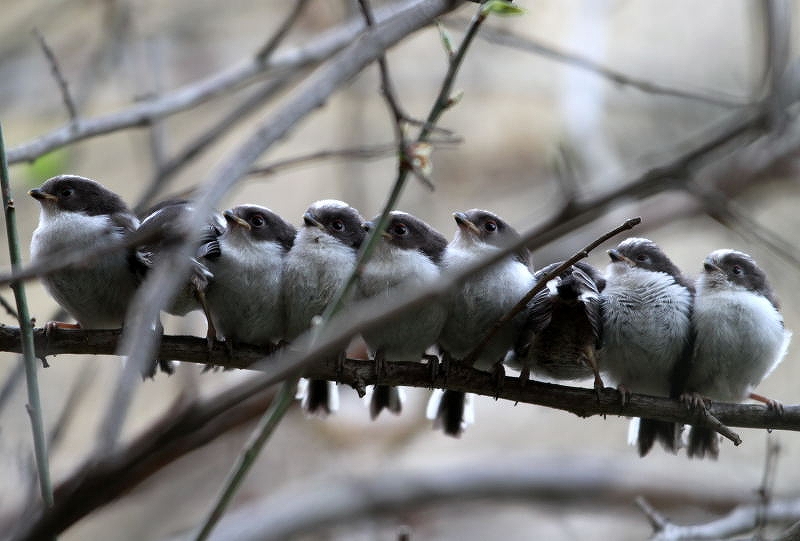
x=580, y=401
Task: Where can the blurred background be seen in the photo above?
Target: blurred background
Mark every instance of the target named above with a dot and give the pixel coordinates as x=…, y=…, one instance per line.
x=536, y=129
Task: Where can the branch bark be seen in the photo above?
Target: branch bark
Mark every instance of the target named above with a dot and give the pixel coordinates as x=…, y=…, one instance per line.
x=358, y=374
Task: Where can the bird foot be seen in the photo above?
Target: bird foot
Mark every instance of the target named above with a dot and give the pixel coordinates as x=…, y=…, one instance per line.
x=772, y=405
x=433, y=366
x=625, y=395
x=499, y=376
x=695, y=401
x=598, y=386
x=524, y=375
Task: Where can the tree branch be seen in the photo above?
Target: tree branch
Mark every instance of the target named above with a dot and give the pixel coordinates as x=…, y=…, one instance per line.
x=359, y=373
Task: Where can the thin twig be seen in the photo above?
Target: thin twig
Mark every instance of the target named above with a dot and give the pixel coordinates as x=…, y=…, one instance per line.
x=247, y=457
x=765, y=489
x=59, y=77
x=509, y=39
x=441, y=103
x=28, y=350
x=657, y=520
x=370, y=152
x=542, y=283
x=266, y=51
x=8, y=308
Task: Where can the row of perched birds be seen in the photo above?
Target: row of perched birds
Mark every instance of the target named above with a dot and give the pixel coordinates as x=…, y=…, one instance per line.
x=641, y=324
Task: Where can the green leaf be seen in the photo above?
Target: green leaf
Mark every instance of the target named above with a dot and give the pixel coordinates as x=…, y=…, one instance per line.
x=501, y=7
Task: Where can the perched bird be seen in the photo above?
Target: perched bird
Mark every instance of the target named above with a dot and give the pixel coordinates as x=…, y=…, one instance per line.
x=477, y=304
x=740, y=338
x=161, y=222
x=78, y=213
x=322, y=258
x=245, y=297
x=565, y=325
x=647, y=305
x=407, y=256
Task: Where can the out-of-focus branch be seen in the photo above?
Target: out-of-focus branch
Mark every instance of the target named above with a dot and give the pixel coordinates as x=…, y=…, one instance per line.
x=507, y=38
x=305, y=509
x=280, y=63
x=95, y=483
x=59, y=77
x=358, y=374
x=742, y=519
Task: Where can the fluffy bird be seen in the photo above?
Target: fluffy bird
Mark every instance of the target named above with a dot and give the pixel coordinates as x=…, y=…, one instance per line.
x=740, y=338
x=647, y=330
x=322, y=258
x=477, y=304
x=565, y=325
x=407, y=256
x=245, y=297
x=78, y=213
x=161, y=223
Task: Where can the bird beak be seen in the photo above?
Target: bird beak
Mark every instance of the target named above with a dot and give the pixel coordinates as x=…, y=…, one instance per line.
x=236, y=220
x=464, y=223
x=709, y=266
x=39, y=195
x=311, y=220
x=617, y=257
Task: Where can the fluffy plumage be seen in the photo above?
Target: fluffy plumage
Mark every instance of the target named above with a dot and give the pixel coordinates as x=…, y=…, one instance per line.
x=740, y=337
x=647, y=332
x=321, y=259
x=405, y=257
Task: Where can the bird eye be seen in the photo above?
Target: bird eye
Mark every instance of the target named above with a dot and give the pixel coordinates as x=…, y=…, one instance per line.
x=257, y=220
x=490, y=226
x=337, y=225
x=400, y=229
x=737, y=270
x=641, y=257
x=66, y=192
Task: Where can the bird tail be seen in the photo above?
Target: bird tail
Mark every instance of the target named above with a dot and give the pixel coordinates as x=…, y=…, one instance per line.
x=450, y=411
x=650, y=431
x=385, y=396
x=318, y=397
x=702, y=441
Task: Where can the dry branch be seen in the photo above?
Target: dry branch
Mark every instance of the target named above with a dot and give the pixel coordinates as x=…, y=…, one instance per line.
x=357, y=373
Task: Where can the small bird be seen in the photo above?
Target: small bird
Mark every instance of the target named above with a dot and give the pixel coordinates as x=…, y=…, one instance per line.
x=477, y=304
x=740, y=338
x=161, y=222
x=245, y=296
x=407, y=256
x=321, y=260
x=565, y=325
x=647, y=305
x=78, y=213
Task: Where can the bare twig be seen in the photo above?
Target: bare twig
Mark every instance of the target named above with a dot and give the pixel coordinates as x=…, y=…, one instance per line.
x=8, y=308
x=765, y=490
x=59, y=77
x=743, y=518
x=34, y=401
x=269, y=47
x=404, y=166
x=542, y=283
x=509, y=39
x=370, y=152
x=281, y=63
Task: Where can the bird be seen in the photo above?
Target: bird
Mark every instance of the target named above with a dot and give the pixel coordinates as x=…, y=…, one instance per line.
x=739, y=338
x=78, y=214
x=161, y=224
x=319, y=263
x=647, y=306
x=564, y=326
x=477, y=303
x=407, y=256
x=245, y=295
